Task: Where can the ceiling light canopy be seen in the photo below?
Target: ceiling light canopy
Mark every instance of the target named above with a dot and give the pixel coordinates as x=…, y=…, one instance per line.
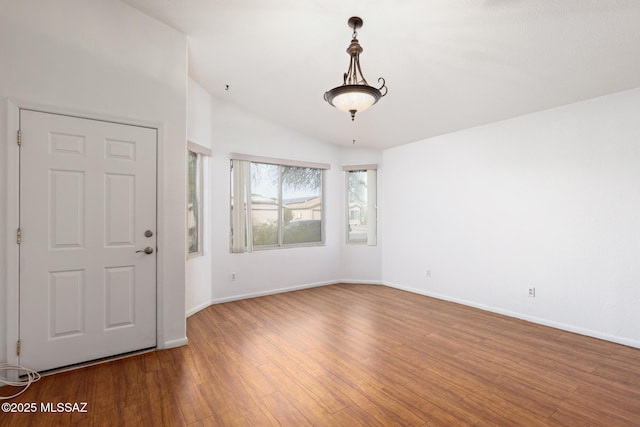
x=355, y=94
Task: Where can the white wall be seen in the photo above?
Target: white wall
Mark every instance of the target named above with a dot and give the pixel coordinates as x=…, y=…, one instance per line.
x=549, y=200
x=268, y=271
x=103, y=58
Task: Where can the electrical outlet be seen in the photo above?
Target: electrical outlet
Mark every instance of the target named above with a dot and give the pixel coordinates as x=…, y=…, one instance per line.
x=233, y=277
x=532, y=292
x=428, y=273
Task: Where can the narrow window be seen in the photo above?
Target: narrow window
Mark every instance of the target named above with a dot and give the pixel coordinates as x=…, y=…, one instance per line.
x=196, y=174
x=361, y=212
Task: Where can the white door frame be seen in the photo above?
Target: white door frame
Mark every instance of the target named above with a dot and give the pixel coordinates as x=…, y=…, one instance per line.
x=13, y=216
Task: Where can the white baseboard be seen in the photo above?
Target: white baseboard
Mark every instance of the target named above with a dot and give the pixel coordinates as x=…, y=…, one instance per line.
x=360, y=282
x=197, y=308
x=175, y=343
x=546, y=322
x=272, y=292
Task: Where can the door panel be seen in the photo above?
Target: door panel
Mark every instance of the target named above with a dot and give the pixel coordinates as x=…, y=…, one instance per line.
x=66, y=308
x=87, y=196
x=119, y=210
x=66, y=201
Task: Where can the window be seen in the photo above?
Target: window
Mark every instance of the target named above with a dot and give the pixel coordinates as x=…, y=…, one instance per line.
x=196, y=179
x=275, y=203
x=361, y=204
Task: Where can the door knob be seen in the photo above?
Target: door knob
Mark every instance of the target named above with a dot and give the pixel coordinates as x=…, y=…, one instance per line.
x=148, y=250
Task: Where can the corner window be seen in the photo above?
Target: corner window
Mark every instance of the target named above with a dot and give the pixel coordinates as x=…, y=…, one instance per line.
x=196, y=182
x=276, y=204
x=361, y=204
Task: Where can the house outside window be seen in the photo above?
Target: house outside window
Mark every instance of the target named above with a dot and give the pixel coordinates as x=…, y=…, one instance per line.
x=361, y=182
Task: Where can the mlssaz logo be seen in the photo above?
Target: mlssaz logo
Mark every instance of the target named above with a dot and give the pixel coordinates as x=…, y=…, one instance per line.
x=63, y=407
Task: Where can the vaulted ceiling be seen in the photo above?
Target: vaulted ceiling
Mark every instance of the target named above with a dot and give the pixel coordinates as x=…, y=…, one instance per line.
x=448, y=64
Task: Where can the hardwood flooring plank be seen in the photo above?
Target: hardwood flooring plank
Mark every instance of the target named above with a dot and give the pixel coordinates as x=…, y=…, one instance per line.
x=283, y=412
x=570, y=413
x=316, y=404
x=359, y=401
x=368, y=384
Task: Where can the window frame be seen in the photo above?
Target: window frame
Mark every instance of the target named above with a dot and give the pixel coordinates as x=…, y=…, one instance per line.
x=281, y=164
x=371, y=207
x=202, y=153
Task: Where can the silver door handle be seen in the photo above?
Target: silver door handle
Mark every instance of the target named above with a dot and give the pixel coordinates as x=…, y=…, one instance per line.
x=148, y=250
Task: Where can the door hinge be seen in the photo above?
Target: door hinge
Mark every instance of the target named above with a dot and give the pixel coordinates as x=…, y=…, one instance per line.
x=19, y=236
x=19, y=137
x=18, y=345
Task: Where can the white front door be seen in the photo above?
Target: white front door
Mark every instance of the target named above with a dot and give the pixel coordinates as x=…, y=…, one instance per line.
x=87, y=213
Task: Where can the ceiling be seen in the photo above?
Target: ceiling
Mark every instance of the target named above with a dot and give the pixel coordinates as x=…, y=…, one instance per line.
x=448, y=64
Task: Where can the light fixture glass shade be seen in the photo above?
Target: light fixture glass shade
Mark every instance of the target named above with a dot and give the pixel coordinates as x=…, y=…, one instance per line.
x=358, y=101
x=353, y=98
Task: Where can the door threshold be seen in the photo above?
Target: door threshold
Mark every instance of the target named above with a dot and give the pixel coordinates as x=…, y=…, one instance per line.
x=94, y=362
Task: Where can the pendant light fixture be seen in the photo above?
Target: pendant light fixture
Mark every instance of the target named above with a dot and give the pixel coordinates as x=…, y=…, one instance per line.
x=355, y=94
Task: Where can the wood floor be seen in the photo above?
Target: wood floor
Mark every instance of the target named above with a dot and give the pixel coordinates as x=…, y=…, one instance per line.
x=350, y=355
